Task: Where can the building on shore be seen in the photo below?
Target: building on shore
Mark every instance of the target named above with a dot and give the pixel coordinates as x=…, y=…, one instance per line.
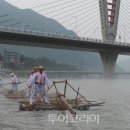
x=11, y=58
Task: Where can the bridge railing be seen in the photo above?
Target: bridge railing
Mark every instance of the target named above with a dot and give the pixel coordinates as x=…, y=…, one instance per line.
x=63, y=36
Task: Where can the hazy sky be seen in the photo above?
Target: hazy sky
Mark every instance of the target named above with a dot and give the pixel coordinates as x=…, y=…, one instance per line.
x=79, y=19
x=74, y=18
x=27, y=3
x=87, y=15
x=31, y=3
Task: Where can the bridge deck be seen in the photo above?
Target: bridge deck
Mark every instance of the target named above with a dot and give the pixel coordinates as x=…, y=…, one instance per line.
x=13, y=36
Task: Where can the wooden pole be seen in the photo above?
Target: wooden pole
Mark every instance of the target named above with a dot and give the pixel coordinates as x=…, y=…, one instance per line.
x=12, y=83
x=67, y=106
x=49, y=88
x=64, y=102
x=59, y=81
x=57, y=93
x=76, y=97
x=79, y=94
x=23, y=90
x=65, y=89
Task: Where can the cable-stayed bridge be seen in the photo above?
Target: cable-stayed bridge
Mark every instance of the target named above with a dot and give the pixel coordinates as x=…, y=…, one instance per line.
x=105, y=16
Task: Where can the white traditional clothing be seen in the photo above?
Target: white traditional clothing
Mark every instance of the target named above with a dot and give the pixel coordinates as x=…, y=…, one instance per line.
x=1, y=83
x=29, y=91
x=38, y=81
x=15, y=82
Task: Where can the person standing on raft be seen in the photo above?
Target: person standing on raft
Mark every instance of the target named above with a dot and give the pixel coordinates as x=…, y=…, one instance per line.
x=39, y=80
x=1, y=83
x=34, y=70
x=15, y=82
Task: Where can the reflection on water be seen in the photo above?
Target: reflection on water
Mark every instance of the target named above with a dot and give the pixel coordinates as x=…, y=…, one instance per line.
x=114, y=115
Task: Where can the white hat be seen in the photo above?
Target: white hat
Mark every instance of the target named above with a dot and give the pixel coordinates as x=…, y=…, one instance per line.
x=12, y=74
x=40, y=67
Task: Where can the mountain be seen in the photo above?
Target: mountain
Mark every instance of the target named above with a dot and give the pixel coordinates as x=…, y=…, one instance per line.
x=82, y=60
x=31, y=20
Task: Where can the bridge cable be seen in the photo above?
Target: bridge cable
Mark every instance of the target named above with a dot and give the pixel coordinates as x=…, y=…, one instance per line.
x=87, y=21
x=93, y=32
x=81, y=23
x=80, y=15
x=45, y=4
x=69, y=11
x=126, y=13
x=67, y=7
x=124, y=30
x=124, y=19
x=57, y=6
x=68, y=15
x=90, y=27
x=124, y=37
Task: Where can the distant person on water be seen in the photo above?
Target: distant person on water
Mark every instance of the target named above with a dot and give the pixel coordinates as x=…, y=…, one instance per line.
x=1, y=83
x=14, y=82
x=34, y=70
x=38, y=81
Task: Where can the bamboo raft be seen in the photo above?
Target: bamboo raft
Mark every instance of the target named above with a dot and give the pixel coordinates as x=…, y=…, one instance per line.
x=57, y=100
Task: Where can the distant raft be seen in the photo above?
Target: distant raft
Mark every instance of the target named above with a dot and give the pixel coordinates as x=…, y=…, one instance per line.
x=57, y=100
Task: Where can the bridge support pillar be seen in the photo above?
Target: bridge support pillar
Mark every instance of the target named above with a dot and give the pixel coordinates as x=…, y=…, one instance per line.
x=109, y=63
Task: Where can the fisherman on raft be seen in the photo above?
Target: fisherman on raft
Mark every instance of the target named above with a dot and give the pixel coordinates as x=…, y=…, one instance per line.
x=38, y=81
x=34, y=70
x=14, y=82
x=1, y=83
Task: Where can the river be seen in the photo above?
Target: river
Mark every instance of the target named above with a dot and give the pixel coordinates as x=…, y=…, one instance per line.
x=114, y=115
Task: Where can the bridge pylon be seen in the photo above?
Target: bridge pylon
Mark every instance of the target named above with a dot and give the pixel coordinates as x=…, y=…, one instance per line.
x=109, y=15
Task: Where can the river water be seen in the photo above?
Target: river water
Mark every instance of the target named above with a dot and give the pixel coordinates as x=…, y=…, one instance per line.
x=114, y=115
